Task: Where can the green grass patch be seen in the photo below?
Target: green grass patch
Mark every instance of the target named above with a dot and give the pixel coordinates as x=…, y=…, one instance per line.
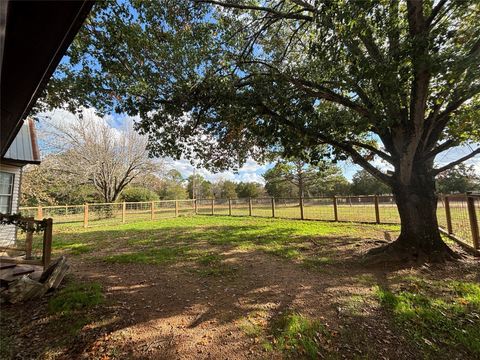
x=151, y=256
x=253, y=325
x=297, y=335
x=211, y=265
x=75, y=296
x=316, y=263
x=437, y=314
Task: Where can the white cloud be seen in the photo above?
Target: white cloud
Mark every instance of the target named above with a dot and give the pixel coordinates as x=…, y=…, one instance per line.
x=251, y=171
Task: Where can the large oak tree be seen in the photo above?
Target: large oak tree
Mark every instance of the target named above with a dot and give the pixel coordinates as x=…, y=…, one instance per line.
x=224, y=80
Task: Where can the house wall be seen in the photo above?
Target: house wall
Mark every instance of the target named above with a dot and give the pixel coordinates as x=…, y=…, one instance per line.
x=8, y=232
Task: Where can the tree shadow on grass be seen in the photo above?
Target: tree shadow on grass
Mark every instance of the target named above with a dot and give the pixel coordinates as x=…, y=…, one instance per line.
x=169, y=308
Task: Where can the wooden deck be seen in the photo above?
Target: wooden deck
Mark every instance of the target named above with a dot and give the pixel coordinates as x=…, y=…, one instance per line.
x=11, y=271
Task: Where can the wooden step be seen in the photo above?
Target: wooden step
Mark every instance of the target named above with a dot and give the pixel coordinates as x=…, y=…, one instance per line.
x=6, y=266
x=8, y=275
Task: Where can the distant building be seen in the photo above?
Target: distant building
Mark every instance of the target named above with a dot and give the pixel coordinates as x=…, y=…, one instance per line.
x=22, y=151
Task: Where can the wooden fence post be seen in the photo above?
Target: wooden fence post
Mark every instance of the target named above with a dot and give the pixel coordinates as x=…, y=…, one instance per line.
x=39, y=212
x=85, y=215
x=377, y=210
x=473, y=221
x=229, y=207
x=195, y=206
x=124, y=211
x=335, y=210
x=152, y=210
x=273, y=207
x=448, y=214
x=176, y=208
x=47, y=243
x=249, y=206
x=301, y=209
x=213, y=206
x=29, y=239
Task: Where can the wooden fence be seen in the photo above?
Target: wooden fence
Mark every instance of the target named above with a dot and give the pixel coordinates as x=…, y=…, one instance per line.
x=33, y=243
x=458, y=215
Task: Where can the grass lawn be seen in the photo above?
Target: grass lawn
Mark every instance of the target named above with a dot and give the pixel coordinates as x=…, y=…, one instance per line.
x=244, y=288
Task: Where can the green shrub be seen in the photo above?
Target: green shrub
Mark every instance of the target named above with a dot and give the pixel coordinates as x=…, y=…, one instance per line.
x=136, y=194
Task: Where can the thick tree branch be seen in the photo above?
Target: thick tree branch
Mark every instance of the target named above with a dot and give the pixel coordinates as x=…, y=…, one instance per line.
x=374, y=150
x=442, y=147
x=456, y=162
x=268, y=10
x=435, y=12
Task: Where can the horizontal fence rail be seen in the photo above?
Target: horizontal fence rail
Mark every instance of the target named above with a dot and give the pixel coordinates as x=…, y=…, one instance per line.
x=30, y=241
x=458, y=215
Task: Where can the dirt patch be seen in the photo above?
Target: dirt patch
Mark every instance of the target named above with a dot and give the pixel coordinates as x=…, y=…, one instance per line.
x=176, y=311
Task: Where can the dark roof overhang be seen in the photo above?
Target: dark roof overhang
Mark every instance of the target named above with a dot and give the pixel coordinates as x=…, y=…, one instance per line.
x=34, y=35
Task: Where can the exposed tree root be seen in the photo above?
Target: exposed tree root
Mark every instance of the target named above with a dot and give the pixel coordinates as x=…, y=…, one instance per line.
x=399, y=253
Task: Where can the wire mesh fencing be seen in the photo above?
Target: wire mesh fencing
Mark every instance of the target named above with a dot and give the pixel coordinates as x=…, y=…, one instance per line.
x=458, y=215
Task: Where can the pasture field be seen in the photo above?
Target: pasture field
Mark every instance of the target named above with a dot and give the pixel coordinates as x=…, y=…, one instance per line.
x=228, y=287
x=349, y=209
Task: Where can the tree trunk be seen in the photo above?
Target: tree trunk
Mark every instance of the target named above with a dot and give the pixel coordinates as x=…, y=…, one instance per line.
x=419, y=238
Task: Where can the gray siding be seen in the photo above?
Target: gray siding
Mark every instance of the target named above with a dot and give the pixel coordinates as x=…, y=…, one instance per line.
x=8, y=233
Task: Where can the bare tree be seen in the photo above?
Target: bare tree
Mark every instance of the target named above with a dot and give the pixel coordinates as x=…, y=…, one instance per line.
x=91, y=151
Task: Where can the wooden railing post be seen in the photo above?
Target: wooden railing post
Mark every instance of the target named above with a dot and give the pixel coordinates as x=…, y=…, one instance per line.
x=229, y=207
x=47, y=242
x=152, y=210
x=85, y=215
x=273, y=207
x=249, y=206
x=39, y=212
x=124, y=211
x=448, y=214
x=301, y=209
x=473, y=222
x=29, y=239
x=213, y=206
x=335, y=209
x=176, y=208
x=377, y=210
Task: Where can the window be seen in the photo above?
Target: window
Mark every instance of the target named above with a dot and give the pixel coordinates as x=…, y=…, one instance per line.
x=6, y=192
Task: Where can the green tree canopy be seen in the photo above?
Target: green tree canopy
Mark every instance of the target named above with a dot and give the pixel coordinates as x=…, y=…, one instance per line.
x=223, y=80
x=226, y=189
x=198, y=187
x=249, y=190
x=297, y=178
x=363, y=183
x=173, y=186
x=137, y=194
x=459, y=179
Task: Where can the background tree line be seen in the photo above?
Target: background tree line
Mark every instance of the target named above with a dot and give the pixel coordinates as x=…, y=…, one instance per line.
x=46, y=185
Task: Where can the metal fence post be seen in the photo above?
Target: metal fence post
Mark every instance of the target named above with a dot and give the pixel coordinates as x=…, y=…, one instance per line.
x=249, y=206
x=229, y=207
x=213, y=206
x=124, y=211
x=152, y=210
x=335, y=210
x=273, y=207
x=377, y=210
x=85, y=215
x=195, y=206
x=448, y=214
x=473, y=221
x=176, y=208
x=301, y=209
